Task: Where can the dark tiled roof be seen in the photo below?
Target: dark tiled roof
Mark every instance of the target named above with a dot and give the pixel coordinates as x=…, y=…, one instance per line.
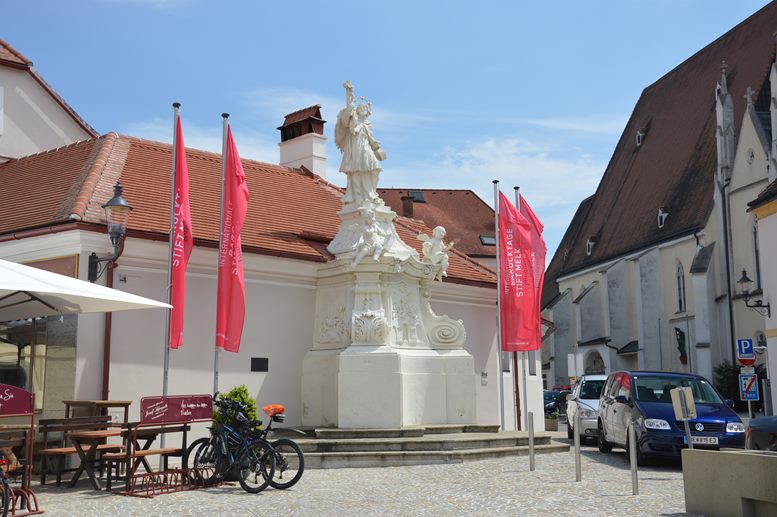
x=675, y=165
x=560, y=259
x=9, y=56
x=463, y=214
x=290, y=213
x=632, y=347
x=304, y=113
x=766, y=195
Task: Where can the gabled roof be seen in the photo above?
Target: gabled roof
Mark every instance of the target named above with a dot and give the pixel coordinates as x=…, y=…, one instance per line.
x=291, y=213
x=674, y=167
x=11, y=57
x=766, y=195
x=463, y=214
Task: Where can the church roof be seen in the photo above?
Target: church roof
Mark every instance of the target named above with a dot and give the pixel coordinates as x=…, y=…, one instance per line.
x=291, y=213
x=674, y=165
x=465, y=217
x=11, y=57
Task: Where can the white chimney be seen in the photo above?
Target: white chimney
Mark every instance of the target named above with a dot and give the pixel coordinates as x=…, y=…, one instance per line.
x=302, y=140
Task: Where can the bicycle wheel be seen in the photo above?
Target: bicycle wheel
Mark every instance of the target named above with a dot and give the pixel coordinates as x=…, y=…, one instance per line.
x=6, y=495
x=289, y=464
x=205, y=455
x=257, y=467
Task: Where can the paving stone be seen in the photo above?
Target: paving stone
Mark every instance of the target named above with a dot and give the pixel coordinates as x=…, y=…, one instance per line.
x=498, y=487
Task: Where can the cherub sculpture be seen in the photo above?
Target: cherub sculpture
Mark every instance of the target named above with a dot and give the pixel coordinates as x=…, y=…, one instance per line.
x=372, y=239
x=435, y=252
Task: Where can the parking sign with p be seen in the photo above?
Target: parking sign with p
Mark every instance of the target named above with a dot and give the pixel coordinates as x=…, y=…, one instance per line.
x=745, y=352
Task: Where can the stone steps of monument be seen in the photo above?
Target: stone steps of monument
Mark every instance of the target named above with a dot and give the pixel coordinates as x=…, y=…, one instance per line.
x=405, y=432
x=389, y=449
x=333, y=460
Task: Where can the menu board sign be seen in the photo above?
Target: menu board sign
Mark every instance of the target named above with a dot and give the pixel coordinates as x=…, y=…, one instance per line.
x=14, y=401
x=178, y=408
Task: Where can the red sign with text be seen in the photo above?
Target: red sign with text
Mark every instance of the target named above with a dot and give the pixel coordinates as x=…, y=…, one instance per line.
x=15, y=401
x=177, y=408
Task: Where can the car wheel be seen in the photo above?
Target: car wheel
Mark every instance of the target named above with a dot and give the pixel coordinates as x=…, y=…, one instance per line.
x=604, y=445
x=570, y=431
x=642, y=458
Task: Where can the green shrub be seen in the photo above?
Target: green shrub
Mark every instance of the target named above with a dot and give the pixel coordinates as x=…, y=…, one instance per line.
x=239, y=394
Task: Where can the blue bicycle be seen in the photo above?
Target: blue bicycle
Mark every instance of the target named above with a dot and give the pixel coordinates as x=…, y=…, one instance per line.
x=233, y=445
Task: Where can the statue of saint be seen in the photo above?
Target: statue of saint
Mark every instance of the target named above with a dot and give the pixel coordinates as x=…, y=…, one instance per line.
x=362, y=154
x=435, y=252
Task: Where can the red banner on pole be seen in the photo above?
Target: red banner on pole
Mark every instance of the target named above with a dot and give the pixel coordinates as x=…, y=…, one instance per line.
x=230, y=314
x=538, y=253
x=519, y=314
x=182, y=240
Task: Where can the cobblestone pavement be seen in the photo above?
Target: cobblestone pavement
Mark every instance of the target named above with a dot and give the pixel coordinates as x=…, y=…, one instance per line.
x=498, y=487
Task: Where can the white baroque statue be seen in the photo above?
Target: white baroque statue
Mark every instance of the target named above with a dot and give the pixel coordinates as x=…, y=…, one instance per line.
x=435, y=252
x=362, y=154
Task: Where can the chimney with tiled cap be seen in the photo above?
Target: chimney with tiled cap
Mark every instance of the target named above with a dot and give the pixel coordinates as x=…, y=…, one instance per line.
x=302, y=140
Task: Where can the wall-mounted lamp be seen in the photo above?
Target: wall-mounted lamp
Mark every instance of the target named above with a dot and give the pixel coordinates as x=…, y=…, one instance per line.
x=117, y=212
x=758, y=305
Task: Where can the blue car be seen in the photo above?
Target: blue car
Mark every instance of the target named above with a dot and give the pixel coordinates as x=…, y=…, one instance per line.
x=644, y=399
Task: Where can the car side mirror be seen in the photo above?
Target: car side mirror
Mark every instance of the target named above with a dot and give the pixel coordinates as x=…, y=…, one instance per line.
x=729, y=403
x=621, y=399
x=570, y=397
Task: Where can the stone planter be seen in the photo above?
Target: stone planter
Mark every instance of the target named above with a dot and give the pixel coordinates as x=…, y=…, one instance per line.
x=551, y=424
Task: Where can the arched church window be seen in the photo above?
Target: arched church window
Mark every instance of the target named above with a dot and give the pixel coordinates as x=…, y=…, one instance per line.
x=756, y=257
x=681, y=307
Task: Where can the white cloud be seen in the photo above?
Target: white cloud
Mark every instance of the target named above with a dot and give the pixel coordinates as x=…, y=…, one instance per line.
x=612, y=125
x=250, y=144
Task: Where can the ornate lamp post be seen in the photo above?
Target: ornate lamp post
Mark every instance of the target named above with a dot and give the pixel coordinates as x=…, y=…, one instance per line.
x=117, y=212
x=758, y=305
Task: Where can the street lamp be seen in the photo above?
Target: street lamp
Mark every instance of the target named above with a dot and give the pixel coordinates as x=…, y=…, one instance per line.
x=758, y=305
x=117, y=212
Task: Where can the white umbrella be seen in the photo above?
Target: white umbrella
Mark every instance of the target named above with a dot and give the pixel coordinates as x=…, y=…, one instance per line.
x=28, y=292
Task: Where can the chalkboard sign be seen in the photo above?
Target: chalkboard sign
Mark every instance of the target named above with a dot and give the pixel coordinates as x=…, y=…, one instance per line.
x=15, y=401
x=178, y=408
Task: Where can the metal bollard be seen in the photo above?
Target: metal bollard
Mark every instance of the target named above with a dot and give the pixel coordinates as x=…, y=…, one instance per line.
x=531, y=442
x=578, y=471
x=633, y=459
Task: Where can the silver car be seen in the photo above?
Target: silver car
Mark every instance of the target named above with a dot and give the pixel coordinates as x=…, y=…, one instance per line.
x=584, y=400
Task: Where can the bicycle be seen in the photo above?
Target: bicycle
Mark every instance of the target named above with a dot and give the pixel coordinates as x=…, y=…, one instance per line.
x=234, y=445
x=5, y=497
x=289, y=459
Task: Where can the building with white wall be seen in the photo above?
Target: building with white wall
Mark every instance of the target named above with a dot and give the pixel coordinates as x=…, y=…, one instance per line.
x=645, y=276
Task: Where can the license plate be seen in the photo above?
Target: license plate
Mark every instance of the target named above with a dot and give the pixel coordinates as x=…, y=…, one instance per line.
x=702, y=440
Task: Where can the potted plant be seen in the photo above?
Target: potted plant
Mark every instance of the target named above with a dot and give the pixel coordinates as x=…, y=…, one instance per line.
x=551, y=421
x=221, y=415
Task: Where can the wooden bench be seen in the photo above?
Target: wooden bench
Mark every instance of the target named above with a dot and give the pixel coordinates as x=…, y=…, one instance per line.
x=64, y=449
x=136, y=454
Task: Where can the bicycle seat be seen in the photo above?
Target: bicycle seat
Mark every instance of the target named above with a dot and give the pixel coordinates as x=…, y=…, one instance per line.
x=274, y=409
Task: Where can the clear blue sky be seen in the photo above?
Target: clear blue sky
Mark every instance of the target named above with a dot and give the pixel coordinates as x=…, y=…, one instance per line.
x=534, y=94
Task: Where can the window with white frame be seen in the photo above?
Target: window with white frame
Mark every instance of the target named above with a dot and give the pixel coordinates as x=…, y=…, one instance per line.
x=756, y=258
x=680, y=288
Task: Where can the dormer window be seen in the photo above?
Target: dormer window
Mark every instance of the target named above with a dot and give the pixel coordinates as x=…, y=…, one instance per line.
x=589, y=245
x=488, y=240
x=663, y=213
x=417, y=195
x=640, y=137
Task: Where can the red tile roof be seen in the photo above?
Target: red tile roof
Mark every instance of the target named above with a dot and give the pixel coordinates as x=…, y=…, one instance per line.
x=290, y=213
x=463, y=214
x=9, y=56
x=675, y=165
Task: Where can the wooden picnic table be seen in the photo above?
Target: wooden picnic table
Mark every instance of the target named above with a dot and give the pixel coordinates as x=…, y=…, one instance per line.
x=98, y=407
x=90, y=439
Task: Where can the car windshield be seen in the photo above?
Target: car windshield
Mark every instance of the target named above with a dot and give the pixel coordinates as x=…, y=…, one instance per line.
x=591, y=389
x=657, y=389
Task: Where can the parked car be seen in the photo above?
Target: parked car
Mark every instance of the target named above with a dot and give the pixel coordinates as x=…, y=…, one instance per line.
x=584, y=400
x=550, y=401
x=644, y=398
x=761, y=434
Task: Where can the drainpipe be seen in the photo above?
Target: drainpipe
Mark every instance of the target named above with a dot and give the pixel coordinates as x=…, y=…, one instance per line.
x=727, y=252
x=107, y=331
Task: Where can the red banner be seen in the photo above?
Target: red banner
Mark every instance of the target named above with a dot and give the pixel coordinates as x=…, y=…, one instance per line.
x=230, y=314
x=179, y=408
x=14, y=401
x=182, y=240
x=519, y=314
x=538, y=253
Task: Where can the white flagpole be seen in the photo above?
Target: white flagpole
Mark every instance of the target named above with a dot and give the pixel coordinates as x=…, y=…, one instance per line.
x=498, y=311
x=168, y=312
x=525, y=398
x=225, y=125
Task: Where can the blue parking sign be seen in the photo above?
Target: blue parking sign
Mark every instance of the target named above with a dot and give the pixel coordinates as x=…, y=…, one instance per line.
x=748, y=387
x=745, y=348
